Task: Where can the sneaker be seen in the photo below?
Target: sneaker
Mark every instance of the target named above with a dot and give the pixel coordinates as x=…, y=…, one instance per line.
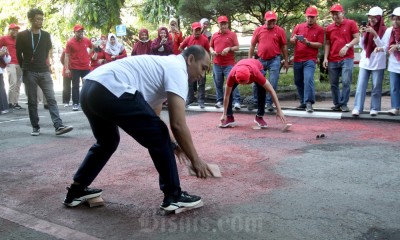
x=66, y=105
x=236, y=106
x=63, y=129
x=355, y=113
x=35, y=132
x=78, y=194
x=17, y=107
x=229, y=122
x=184, y=200
x=260, y=122
x=252, y=106
x=309, y=107
x=201, y=104
x=75, y=107
x=4, y=112
x=344, y=108
x=219, y=105
x=301, y=107
x=269, y=107
x=45, y=106
x=336, y=108
x=393, y=112
x=373, y=113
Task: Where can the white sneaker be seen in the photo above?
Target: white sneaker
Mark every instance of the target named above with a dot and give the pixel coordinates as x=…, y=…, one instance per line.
x=218, y=105
x=393, y=112
x=236, y=106
x=66, y=105
x=355, y=113
x=373, y=113
x=75, y=107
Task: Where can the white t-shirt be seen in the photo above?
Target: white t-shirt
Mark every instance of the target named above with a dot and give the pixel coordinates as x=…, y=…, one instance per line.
x=151, y=75
x=393, y=65
x=376, y=61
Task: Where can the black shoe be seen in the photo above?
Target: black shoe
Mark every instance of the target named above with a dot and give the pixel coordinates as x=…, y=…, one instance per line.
x=201, y=104
x=344, y=108
x=336, y=108
x=18, y=107
x=309, y=107
x=63, y=129
x=78, y=194
x=35, y=132
x=269, y=107
x=171, y=203
x=301, y=107
x=45, y=106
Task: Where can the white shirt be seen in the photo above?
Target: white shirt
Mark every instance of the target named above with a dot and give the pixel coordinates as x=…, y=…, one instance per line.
x=151, y=75
x=7, y=59
x=394, y=65
x=376, y=61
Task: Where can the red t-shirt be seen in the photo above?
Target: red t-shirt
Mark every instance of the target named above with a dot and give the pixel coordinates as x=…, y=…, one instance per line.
x=78, y=53
x=315, y=33
x=191, y=40
x=255, y=68
x=178, y=38
x=121, y=55
x=9, y=42
x=221, y=41
x=339, y=36
x=270, y=41
x=95, y=63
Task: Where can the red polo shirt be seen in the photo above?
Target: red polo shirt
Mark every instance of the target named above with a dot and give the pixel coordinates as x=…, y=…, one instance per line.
x=191, y=40
x=221, y=41
x=270, y=41
x=9, y=42
x=314, y=33
x=339, y=36
x=78, y=53
x=255, y=68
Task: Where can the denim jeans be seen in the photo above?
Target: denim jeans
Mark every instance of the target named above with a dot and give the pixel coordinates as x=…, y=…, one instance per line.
x=260, y=100
x=42, y=79
x=362, y=84
x=304, y=80
x=273, y=66
x=395, y=89
x=76, y=76
x=219, y=73
x=344, y=69
x=130, y=112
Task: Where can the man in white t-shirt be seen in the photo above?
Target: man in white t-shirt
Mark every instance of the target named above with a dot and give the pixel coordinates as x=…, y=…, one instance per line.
x=128, y=94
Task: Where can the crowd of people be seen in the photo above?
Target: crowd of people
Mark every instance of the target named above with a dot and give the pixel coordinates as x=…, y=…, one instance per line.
x=168, y=69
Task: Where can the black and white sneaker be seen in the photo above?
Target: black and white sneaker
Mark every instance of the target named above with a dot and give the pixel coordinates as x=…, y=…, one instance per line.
x=35, y=132
x=78, y=194
x=63, y=129
x=183, y=200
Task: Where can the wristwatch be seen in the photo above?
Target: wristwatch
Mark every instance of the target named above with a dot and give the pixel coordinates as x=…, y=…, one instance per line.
x=347, y=45
x=308, y=43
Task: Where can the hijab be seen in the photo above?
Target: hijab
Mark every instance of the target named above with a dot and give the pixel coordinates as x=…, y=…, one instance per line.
x=116, y=48
x=142, y=47
x=369, y=43
x=395, y=39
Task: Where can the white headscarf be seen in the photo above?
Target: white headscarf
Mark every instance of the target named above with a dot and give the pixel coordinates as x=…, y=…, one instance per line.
x=203, y=20
x=115, y=49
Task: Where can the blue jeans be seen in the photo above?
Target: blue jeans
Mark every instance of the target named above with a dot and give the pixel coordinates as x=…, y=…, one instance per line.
x=42, y=79
x=130, y=112
x=304, y=80
x=344, y=69
x=76, y=76
x=362, y=84
x=395, y=89
x=219, y=72
x=273, y=66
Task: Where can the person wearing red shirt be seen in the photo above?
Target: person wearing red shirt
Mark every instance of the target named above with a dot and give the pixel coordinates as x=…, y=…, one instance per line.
x=341, y=36
x=143, y=44
x=222, y=47
x=271, y=42
x=77, y=61
x=66, y=93
x=248, y=71
x=14, y=71
x=98, y=55
x=175, y=35
x=307, y=38
x=196, y=39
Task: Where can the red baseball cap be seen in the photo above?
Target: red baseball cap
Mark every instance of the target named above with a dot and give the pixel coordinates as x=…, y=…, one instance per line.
x=242, y=75
x=78, y=27
x=222, y=19
x=13, y=26
x=196, y=25
x=270, y=15
x=312, y=12
x=337, y=8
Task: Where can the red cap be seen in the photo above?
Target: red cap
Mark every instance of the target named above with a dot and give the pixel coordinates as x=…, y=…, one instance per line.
x=337, y=8
x=78, y=27
x=222, y=19
x=242, y=75
x=13, y=26
x=312, y=12
x=270, y=15
x=196, y=25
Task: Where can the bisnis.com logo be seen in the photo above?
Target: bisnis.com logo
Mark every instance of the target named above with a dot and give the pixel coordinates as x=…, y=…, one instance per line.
x=151, y=221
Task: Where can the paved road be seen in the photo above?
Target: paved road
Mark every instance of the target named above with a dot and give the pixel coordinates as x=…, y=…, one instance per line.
x=275, y=185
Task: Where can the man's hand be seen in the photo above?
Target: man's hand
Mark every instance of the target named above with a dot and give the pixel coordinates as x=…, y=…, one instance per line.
x=201, y=169
x=225, y=51
x=286, y=65
x=325, y=63
x=181, y=156
x=343, y=51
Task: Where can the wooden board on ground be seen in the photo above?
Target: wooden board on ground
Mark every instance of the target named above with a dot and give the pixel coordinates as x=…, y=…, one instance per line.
x=95, y=202
x=216, y=172
x=183, y=209
x=258, y=127
x=286, y=127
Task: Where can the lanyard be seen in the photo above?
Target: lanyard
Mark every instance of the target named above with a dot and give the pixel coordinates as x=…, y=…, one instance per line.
x=33, y=44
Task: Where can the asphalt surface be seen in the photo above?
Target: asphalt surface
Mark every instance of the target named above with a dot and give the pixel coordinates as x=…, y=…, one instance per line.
x=275, y=185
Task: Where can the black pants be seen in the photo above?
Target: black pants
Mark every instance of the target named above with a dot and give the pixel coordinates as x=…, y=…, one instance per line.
x=134, y=115
x=76, y=76
x=260, y=100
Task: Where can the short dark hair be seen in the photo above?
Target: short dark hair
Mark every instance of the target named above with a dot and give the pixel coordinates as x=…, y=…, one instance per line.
x=33, y=12
x=196, y=50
